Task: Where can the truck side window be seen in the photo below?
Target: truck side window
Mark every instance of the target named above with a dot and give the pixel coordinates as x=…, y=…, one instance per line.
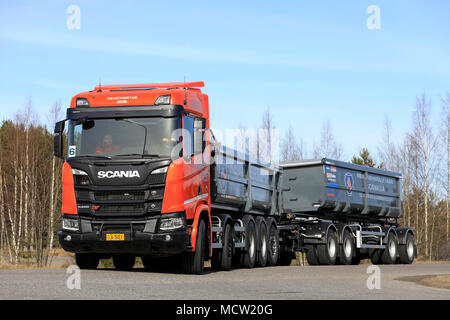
x=189, y=135
x=199, y=143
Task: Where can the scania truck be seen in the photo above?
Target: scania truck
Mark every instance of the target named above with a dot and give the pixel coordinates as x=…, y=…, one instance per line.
x=143, y=176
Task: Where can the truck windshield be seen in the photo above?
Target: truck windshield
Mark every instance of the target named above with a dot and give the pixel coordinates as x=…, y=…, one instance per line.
x=107, y=138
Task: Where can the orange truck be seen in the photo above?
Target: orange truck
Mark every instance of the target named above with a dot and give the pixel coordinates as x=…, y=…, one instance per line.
x=144, y=177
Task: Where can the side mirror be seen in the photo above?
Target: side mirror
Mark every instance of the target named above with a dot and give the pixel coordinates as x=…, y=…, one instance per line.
x=58, y=145
x=59, y=127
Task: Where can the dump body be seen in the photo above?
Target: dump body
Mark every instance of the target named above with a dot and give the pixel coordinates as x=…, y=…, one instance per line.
x=242, y=183
x=328, y=187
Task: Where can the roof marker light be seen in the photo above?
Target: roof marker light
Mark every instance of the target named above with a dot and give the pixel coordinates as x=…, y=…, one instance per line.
x=164, y=99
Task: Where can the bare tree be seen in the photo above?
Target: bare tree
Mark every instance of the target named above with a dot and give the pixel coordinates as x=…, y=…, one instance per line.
x=292, y=147
x=328, y=147
x=446, y=142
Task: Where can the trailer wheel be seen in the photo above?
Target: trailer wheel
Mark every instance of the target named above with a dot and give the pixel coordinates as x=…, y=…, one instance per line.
x=389, y=254
x=261, y=233
x=327, y=253
x=87, y=260
x=193, y=262
x=311, y=255
x=347, y=249
x=406, y=251
x=274, y=244
x=123, y=261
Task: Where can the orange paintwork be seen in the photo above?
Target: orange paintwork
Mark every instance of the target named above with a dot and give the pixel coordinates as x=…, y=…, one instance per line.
x=69, y=204
x=188, y=182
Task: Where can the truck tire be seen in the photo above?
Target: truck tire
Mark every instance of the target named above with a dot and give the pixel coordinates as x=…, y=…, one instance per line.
x=261, y=236
x=327, y=253
x=389, y=254
x=124, y=262
x=311, y=255
x=273, y=248
x=285, y=258
x=226, y=254
x=193, y=262
x=86, y=260
x=347, y=248
x=248, y=256
x=406, y=251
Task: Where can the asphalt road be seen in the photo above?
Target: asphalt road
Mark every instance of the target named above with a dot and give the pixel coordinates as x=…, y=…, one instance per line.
x=318, y=282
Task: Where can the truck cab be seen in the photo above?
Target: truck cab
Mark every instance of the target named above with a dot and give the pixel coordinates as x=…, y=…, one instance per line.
x=136, y=176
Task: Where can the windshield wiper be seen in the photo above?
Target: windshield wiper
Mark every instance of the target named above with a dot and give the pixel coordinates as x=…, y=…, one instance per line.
x=139, y=154
x=94, y=156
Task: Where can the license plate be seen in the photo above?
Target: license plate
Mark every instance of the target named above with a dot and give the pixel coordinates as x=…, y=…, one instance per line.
x=115, y=237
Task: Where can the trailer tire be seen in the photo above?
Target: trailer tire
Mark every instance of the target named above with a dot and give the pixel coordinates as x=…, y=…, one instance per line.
x=311, y=255
x=261, y=236
x=327, y=253
x=193, y=262
x=124, y=262
x=406, y=251
x=273, y=248
x=389, y=254
x=346, y=249
x=86, y=260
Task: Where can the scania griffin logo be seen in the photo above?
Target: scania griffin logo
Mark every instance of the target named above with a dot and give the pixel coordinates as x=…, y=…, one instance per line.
x=118, y=174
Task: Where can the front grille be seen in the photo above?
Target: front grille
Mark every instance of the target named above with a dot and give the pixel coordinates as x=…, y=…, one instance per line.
x=121, y=209
x=159, y=178
x=119, y=195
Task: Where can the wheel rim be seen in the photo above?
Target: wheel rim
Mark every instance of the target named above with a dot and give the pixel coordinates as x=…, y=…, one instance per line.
x=263, y=244
x=251, y=249
x=348, y=248
x=410, y=249
x=273, y=245
x=331, y=248
x=392, y=249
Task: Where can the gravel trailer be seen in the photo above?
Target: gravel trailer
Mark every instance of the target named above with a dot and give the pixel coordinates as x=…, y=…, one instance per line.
x=339, y=212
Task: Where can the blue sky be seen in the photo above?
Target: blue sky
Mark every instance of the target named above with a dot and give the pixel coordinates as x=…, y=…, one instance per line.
x=309, y=61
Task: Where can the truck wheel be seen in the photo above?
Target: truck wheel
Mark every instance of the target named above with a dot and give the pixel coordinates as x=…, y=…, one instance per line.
x=327, y=253
x=124, y=261
x=248, y=257
x=389, y=254
x=406, y=251
x=261, y=258
x=273, y=244
x=347, y=249
x=311, y=255
x=193, y=262
x=226, y=255
x=87, y=260
x=285, y=258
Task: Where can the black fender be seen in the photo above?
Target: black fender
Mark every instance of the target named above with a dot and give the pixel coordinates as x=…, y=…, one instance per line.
x=402, y=234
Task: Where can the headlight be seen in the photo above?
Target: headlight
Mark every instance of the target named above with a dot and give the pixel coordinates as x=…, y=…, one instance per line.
x=160, y=170
x=172, y=223
x=81, y=177
x=70, y=224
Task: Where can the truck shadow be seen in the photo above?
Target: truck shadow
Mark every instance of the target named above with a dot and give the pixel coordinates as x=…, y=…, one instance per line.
x=174, y=271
